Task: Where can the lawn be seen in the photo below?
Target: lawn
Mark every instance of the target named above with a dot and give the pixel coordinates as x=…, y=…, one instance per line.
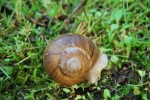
x=120, y=28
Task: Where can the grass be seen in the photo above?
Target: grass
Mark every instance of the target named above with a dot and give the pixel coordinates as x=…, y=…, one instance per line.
x=121, y=28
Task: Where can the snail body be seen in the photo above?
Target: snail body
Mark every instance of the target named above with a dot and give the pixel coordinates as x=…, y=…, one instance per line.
x=73, y=58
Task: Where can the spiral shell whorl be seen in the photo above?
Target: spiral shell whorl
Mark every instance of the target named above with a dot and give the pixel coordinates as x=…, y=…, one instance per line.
x=64, y=49
x=79, y=65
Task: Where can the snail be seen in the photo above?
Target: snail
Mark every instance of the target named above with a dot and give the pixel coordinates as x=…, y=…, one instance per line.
x=73, y=58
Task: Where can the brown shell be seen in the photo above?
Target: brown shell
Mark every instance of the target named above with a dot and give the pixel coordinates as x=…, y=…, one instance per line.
x=76, y=48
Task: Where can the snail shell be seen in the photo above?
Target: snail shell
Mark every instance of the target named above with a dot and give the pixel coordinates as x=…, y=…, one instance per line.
x=73, y=58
